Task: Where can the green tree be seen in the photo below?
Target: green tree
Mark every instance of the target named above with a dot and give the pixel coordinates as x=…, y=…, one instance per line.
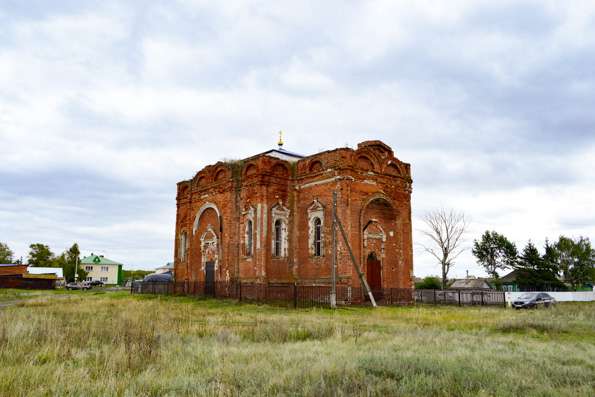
x=40, y=255
x=135, y=274
x=494, y=251
x=430, y=282
x=575, y=259
x=5, y=253
x=536, y=271
x=69, y=260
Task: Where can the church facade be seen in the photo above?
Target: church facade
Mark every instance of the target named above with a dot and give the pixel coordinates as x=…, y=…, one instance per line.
x=268, y=218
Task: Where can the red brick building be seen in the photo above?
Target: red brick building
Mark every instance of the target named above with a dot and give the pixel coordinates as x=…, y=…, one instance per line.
x=268, y=218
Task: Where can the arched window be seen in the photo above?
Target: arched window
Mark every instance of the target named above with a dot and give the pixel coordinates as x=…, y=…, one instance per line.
x=249, y=238
x=277, y=248
x=183, y=246
x=317, y=237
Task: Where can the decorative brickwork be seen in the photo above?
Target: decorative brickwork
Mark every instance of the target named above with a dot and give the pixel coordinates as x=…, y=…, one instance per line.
x=267, y=219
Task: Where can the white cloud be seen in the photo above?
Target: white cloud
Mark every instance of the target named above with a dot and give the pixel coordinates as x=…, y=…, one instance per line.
x=141, y=96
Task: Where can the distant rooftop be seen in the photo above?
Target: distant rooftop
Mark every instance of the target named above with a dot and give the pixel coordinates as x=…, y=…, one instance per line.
x=98, y=260
x=470, y=283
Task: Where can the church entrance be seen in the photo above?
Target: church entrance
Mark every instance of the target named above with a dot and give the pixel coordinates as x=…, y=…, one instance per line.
x=374, y=275
x=210, y=278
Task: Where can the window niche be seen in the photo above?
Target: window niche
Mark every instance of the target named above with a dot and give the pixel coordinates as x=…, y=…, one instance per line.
x=316, y=229
x=280, y=219
x=183, y=246
x=249, y=231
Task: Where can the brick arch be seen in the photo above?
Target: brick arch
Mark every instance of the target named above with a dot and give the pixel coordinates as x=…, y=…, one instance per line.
x=366, y=160
x=201, y=179
x=376, y=196
x=250, y=169
x=315, y=166
x=280, y=170
x=201, y=210
x=393, y=168
x=220, y=174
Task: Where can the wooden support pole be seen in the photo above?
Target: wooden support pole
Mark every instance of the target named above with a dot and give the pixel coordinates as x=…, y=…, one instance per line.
x=362, y=278
x=334, y=256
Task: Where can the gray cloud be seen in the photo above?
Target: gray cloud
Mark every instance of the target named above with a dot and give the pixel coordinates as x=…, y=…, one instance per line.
x=104, y=106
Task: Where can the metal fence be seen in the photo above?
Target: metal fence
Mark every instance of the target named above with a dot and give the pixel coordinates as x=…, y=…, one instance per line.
x=460, y=297
x=291, y=295
x=296, y=295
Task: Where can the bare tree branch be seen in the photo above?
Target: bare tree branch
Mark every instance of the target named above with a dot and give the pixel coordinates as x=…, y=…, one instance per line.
x=445, y=229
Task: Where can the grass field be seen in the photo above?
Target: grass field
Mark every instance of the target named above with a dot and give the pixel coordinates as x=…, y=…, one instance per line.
x=115, y=344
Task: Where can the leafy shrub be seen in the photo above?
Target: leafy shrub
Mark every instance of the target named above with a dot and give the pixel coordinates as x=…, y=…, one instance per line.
x=429, y=282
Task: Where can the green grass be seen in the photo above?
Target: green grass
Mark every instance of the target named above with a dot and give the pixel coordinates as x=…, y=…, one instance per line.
x=102, y=343
x=10, y=294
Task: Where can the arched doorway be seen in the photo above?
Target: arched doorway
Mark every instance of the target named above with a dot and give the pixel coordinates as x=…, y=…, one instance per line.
x=374, y=274
x=210, y=254
x=380, y=253
x=206, y=247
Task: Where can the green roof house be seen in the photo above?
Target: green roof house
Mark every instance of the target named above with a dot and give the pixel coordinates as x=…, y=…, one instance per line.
x=100, y=268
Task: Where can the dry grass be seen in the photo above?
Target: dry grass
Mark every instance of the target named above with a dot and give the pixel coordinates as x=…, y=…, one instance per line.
x=114, y=344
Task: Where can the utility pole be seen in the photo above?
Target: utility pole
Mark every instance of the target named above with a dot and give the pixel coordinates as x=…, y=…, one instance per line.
x=334, y=256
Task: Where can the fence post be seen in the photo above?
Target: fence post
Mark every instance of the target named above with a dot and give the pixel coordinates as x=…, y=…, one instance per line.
x=434, y=296
x=482, y=298
x=240, y=290
x=459, y=297
x=295, y=295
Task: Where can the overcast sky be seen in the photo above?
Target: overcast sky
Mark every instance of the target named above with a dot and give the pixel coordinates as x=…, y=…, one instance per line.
x=105, y=105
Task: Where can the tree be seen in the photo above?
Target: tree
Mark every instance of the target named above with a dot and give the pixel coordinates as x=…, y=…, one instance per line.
x=536, y=271
x=575, y=259
x=40, y=255
x=445, y=229
x=68, y=261
x=494, y=251
x=5, y=253
x=136, y=274
x=429, y=282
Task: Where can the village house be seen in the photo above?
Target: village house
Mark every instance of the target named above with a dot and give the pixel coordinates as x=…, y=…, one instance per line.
x=267, y=218
x=100, y=268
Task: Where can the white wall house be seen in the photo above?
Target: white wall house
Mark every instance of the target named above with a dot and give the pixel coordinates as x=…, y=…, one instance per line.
x=100, y=268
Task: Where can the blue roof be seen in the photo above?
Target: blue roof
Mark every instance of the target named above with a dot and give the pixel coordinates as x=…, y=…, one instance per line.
x=285, y=153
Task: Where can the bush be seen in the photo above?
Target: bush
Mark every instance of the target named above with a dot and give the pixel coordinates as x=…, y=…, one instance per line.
x=430, y=282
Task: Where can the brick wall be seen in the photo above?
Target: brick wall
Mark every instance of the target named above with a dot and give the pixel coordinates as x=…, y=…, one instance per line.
x=374, y=205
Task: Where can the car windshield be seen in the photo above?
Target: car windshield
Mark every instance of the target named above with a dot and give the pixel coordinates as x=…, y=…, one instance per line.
x=527, y=296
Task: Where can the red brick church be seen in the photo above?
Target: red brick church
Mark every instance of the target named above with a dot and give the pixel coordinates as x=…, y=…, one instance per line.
x=267, y=218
